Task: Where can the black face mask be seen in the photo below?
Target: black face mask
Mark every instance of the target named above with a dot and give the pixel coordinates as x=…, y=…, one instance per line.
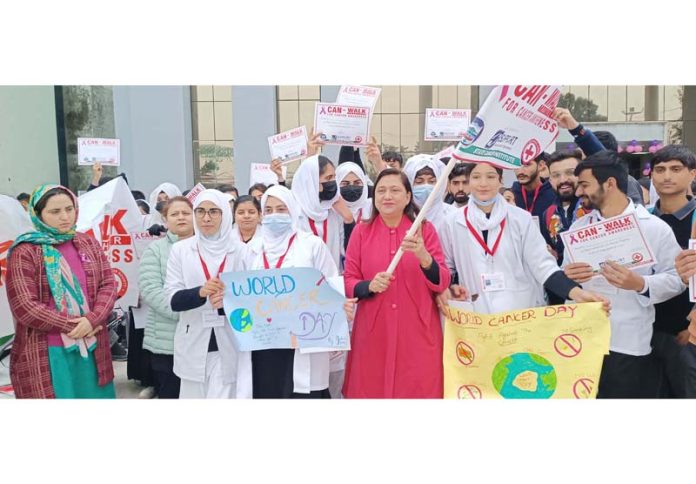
x=160, y=205
x=329, y=191
x=351, y=193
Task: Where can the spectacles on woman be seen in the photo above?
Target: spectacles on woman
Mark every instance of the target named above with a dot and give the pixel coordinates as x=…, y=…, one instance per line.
x=213, y=213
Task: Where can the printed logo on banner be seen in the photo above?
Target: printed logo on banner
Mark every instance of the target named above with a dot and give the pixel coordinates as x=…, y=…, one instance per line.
x=121, y=282
x=474, y=131
x=502, y=138
x=530, y=151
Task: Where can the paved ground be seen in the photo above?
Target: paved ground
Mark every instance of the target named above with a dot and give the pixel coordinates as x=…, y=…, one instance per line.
x=124, y=388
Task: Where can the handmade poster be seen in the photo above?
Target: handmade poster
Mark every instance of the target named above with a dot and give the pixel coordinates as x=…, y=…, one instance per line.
x=284, y=308
x=103, y=150
x=342, y=125
x=692, y=280
x=15, y=222
x=109, y=213
x=364, y=96
x=289, y=145
x=545, y=352
x=262, y=173
x=512, y=128
x=618, y=239
x=446, y=124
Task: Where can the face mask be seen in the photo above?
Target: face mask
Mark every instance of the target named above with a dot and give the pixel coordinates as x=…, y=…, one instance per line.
x=351, y=193
x=277, y=223
x=160, y=206
x=482, y=203
x=329, y=191
x=421, y=193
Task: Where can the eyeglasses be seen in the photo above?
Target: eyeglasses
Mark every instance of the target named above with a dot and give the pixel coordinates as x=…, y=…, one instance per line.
x=568, y=174
x=213, y=213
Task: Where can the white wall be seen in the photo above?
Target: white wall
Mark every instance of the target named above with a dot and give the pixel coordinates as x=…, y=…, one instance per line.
x=154, y=126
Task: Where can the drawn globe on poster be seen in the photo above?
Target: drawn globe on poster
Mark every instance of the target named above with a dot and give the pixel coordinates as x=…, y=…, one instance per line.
x=241, y=320
x=524, y=375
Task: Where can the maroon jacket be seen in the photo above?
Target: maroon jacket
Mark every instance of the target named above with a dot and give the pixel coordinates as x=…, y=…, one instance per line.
x=35, y=315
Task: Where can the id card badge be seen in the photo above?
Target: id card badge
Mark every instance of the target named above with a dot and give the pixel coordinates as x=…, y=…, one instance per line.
x=211, y=319
x=494, y=281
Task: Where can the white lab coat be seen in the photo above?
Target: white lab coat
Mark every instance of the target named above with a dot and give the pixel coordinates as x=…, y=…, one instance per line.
x=310, y=370
x=632, y=314
x=335, y=237
x=184, y=271
x=521, y=256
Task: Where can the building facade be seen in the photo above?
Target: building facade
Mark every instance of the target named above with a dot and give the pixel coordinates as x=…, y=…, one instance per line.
x=211, y=134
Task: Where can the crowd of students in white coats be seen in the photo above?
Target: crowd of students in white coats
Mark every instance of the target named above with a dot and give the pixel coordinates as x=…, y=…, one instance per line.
x=479, y=243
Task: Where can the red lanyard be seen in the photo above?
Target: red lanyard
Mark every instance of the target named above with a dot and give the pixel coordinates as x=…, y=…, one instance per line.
x=279, y=264
x=205, y=267
x=314, y=228
x=524, y=196
x=479, y=239
x=359, y=215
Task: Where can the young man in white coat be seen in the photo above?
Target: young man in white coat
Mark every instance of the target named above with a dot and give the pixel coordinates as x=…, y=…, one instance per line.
x=628, y=371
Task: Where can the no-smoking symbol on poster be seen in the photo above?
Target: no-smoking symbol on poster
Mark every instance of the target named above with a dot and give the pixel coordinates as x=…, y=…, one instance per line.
x=469, y=392
x=582, y=388
x=465, y=353
x=121, y=283
x=568, y=345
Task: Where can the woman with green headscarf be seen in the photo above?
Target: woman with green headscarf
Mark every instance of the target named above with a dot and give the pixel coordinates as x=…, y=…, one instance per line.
x=61, y=292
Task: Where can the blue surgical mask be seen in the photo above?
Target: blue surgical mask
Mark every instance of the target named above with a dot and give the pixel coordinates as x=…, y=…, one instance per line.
x=482, y=203
x=277, y=223
x=421, y=193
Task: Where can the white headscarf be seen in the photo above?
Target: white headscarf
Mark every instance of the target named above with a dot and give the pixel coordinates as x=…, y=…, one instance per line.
x=478, y=218
x=214, y=248
x=363, y=202
x=169, y=188
x=305, y=188
x=416, y=163
x=276, y=245
x=154, y=217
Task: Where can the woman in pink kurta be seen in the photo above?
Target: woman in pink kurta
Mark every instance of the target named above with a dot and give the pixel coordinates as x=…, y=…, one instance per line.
x=396, y=343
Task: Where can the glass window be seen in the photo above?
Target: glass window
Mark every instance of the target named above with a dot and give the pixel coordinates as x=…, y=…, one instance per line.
x=287, y=92
x=635, y=103
x=309, y=92
x=447, y=97
x=306, y=115
x=617, y=104
x=222, y=93
x=410, y=99
x=411, y=131
x=391, y=132
x=223, y=120
x=390, y=99
x=599, y=96
x=203, y=121
x=213, y=134
x=673, y=103
x=464, y=97
x=202, y=93
x=288, y=115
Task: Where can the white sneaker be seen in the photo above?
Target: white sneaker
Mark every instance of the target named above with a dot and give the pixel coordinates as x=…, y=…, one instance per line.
x=146, y=393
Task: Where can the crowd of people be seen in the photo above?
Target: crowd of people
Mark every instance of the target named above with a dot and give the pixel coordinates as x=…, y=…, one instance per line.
x=499, y=248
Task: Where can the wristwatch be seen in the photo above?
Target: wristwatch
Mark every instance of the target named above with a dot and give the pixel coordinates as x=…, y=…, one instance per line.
x=579, y=130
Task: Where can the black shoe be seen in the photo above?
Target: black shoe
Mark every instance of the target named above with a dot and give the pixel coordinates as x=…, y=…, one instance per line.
x=118, y=352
